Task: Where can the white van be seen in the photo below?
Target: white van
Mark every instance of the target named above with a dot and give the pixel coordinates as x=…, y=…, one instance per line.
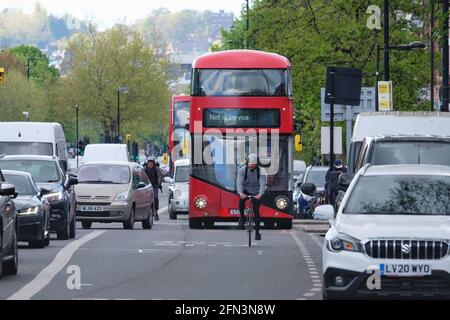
x=33, y=138
x=396, y=123
x=105, y=152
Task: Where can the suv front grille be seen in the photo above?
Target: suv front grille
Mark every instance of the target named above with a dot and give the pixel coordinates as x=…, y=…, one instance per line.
x=407, y=249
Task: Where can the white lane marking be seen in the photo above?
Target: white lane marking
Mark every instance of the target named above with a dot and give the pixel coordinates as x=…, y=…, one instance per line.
x=46, y=275
x=316, y=240
x=259, y=252
x=312, y=270
x=163, y=210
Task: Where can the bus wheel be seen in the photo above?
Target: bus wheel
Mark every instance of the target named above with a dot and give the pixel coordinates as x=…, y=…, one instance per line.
x=195, y=223
x=287, y=224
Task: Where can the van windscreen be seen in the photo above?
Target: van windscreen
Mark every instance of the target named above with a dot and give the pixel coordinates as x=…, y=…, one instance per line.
x=28, y=148
x=409, y=152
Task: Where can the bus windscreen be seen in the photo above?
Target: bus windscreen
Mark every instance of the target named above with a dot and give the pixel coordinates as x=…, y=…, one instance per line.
x=241, y=118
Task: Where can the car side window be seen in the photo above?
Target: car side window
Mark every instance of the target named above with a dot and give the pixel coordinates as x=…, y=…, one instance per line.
x=144, y=177
x=136, y=178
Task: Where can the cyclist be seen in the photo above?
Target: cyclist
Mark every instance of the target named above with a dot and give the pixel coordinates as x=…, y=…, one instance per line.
x=251, y=181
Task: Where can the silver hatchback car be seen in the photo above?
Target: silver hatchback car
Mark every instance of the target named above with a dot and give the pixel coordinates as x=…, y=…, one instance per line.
x=114, y=192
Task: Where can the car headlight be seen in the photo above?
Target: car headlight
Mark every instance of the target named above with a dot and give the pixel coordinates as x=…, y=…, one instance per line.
x=54, y=196
x=123, y=196
x=29, y=211
x=200, y=203
x=177, y=193
x=281, y=202
x=343, y=242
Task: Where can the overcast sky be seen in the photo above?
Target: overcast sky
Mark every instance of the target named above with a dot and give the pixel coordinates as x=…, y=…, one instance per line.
x=108, y=12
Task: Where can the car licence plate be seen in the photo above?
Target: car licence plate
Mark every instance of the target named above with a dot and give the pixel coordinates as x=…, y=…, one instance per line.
x=405, y=270
x=91, y=208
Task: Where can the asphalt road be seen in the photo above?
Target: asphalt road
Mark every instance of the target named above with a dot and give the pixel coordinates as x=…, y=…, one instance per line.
x=170, y=261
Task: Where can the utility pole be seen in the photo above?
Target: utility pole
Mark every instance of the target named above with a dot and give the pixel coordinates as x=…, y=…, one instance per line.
x=247, y=25
x=76, y=144
x=445, y=57
x=432, y=55
x=386, y=40
x=28, y=69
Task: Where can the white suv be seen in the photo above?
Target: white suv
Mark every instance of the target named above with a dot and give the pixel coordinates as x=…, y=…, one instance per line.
x=391, y=235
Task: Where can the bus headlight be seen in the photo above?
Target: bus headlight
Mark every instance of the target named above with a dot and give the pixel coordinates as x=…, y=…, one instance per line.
x=200, y=203
x=281, y=202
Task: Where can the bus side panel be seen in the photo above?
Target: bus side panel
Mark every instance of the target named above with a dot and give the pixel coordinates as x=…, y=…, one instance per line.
x=211, y=193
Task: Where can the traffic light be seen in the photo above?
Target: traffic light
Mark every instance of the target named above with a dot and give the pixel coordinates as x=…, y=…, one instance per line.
x=165, y=158
x=128, y=136
x=2, y=76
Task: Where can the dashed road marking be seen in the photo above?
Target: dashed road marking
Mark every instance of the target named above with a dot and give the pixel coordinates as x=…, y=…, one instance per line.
x=317, y=283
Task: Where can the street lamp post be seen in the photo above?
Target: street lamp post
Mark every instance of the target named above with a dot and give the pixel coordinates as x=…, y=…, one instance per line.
x=445, y=57
x=76, y=144
x=402, y=47
x=386, y=40
x=432, y=55
x=123, y=89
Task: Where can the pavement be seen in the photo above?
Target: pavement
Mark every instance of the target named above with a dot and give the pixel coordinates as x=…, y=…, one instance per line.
x=171, y=261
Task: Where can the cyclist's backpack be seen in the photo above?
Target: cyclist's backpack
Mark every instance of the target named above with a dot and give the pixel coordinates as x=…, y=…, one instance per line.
x=258, y=173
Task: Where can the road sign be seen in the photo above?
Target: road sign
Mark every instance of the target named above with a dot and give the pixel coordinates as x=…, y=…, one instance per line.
x=128, y=136
x=385, y=101
x=340, y=112
x=325, y=140
x=2, y=76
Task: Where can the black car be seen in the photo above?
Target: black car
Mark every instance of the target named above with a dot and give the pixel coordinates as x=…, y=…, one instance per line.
x=33, y=209
x=48, y=174
x=9, y=261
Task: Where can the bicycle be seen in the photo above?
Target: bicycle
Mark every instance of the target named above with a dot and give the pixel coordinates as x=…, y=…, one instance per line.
x=250, y=220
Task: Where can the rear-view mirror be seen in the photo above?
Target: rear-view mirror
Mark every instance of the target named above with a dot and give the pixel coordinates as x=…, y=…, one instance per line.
x=168, y=180
x=324, y=213
x=308, y=189
x=7, y=189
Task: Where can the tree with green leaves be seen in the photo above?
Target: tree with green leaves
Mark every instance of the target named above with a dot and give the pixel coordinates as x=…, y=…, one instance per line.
x=101, y=62
x=315, y=34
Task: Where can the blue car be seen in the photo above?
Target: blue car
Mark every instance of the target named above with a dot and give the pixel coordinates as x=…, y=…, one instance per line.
x=315, y=175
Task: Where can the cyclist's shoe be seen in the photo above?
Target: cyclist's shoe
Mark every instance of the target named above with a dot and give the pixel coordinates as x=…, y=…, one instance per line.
x=156, y=216
x=241, y=223
x=257, y=236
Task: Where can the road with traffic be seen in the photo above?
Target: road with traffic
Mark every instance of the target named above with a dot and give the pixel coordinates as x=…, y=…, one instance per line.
x=170, y=261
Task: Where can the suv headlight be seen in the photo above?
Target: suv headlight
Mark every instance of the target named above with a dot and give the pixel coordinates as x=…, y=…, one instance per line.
x=54, y=196
x=29, y=211
x=123, y=196
x=343, y=242
x=177, y=193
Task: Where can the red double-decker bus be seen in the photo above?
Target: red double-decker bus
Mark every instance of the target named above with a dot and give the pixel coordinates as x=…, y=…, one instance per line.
x=241, y=103
x=179, y=137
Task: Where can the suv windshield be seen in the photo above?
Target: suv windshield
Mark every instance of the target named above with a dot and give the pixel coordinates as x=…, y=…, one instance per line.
x=182, y=174
x=424, y=152
x=40, y=170
x=400, y=195
x=33, y=148
x=108, y=174
x=22, y=184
